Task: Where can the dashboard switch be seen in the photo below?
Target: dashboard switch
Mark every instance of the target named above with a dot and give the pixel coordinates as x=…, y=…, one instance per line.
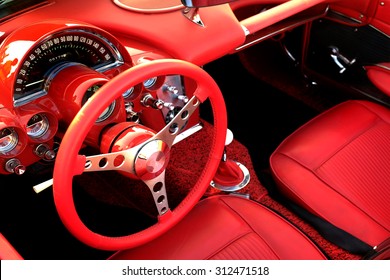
x=14, y=166
x=44, y=152
x=150, y=101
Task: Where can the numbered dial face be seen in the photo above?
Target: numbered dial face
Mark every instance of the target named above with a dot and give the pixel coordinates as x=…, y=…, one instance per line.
x=70, y=46
x=8, y=140
x=37, y=126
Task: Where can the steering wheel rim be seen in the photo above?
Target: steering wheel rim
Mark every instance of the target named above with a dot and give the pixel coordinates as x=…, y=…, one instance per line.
x=78, y=130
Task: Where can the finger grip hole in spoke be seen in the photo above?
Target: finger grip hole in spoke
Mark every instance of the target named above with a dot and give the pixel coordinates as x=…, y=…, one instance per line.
x=163, y=210
x=195, y=102
x=161, y=198
x=157, y=187
x=88, y=164
x=184, y=115
x=119, y=160
x=103, y=162
x=173, y=128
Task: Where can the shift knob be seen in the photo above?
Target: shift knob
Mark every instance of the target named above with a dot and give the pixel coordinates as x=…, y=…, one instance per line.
x=229, y=137
x=231, y=175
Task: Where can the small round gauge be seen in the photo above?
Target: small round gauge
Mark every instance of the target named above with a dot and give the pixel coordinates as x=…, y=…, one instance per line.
x=8, y=140
x=37, y=126
x=107, y=112
x=150, y=82
x=128, y=92
x=133, y=92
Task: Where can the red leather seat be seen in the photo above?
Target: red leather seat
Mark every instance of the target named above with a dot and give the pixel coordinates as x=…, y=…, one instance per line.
x=228, y=227
x=379, y=75
x=337, y=167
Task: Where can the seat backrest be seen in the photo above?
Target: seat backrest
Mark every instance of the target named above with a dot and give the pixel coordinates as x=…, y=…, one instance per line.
x=336, y=167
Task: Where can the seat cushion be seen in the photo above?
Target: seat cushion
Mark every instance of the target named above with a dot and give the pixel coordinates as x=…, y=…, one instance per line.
x=337, y=166
x=228, y=227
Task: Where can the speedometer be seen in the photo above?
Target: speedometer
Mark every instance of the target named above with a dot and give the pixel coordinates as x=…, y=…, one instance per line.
x=64, y=47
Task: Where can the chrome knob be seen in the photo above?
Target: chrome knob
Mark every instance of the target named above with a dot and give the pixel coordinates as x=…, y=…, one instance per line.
x=14, y=166
x=44, y=152
x=175, y=93
x=149, y=101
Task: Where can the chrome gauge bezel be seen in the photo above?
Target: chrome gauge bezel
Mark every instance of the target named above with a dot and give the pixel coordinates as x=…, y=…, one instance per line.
x=11, y=138
x=150, y=82
x=37, y=126
x=86, y=40
x=106, y=112
x=128, y=93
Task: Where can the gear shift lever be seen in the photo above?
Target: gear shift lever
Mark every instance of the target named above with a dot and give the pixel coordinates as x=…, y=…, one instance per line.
x=231, y=175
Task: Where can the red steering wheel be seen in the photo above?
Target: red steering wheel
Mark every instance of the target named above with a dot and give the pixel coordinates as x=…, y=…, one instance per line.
x=69, y=163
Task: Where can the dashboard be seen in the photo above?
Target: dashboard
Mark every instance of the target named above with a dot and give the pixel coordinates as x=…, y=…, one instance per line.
x=56, y=54
x=50, y=69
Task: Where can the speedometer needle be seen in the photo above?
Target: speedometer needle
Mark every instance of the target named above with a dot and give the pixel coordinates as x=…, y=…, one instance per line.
x=34, y=83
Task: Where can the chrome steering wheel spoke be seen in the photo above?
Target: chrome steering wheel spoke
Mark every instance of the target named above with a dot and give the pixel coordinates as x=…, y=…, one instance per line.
x=177, y=124
x=158, y=190
x=122, y=160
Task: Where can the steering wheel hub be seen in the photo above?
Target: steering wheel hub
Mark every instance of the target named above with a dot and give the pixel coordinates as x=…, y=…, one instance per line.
x=152, y=159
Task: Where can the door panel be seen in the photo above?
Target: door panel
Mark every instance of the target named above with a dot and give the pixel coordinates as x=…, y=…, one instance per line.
x=341, y=50
x=360, y=10
x=381, y=19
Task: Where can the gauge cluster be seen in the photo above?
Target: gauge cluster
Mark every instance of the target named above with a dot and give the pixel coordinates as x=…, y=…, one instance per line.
x=50, y=70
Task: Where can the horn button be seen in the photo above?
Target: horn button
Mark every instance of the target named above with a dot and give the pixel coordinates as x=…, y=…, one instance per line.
x=152, y=156
x=152, y=159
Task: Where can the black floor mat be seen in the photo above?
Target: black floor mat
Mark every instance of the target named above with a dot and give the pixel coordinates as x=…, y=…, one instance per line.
x=31, y=223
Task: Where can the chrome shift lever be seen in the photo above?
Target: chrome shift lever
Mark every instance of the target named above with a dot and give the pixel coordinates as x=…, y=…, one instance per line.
x=231, y=175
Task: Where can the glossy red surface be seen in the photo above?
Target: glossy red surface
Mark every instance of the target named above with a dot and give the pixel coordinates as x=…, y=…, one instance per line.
x=245, y=221
x=320, y=163
x=380, y=76
x=86, y=80
x=8, y=252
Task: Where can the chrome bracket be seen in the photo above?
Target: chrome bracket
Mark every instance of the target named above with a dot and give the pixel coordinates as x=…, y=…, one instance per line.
x=193, y=15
